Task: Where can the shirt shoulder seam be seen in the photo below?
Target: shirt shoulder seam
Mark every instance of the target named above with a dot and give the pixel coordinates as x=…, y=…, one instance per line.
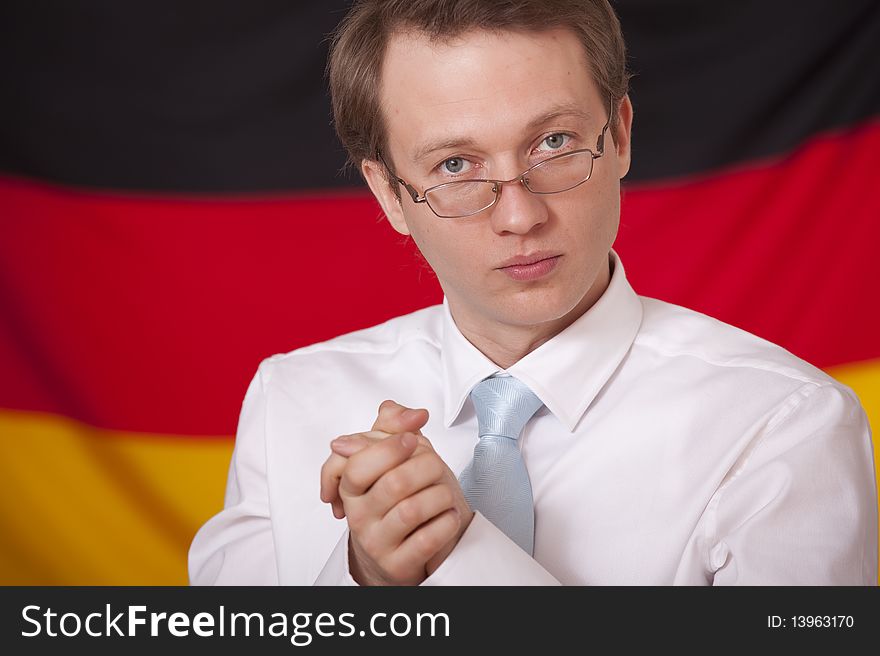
x=338, y=345
x=742, y=362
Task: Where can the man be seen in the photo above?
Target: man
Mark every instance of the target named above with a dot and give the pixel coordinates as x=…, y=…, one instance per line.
x=548, y=425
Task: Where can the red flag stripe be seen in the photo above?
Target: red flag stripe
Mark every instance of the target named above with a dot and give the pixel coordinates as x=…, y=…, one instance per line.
x=152, y=315
x=785, y=249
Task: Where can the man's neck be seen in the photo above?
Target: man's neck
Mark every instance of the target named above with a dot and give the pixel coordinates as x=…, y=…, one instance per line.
x=507, y=344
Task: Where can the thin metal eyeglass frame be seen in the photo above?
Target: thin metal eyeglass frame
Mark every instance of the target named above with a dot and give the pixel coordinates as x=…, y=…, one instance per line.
x=497, y=184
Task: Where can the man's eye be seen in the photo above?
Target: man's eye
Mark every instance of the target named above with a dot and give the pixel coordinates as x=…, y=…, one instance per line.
x=555, y=141
x=453, y=165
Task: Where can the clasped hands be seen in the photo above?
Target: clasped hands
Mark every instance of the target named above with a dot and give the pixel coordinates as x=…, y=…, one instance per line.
x=405, y=508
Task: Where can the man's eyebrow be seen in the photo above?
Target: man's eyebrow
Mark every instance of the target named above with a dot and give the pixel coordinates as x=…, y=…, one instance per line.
x=429, y=147
x=562, y=110
x=557, y=111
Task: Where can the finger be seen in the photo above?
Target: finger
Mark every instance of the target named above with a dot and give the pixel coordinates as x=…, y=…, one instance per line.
x=415, y=510
x=423, y=543
x=408, y=478
x=331, y=472
x=348, y=445
x=366, y=466
x=343, y=447
x=396, y=418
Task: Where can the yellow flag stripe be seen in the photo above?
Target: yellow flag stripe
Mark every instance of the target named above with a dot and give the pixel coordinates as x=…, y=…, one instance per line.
x=86, y=506
x=864, y=379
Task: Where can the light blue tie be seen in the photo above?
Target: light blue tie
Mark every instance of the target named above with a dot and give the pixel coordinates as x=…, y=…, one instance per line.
x=496, y=482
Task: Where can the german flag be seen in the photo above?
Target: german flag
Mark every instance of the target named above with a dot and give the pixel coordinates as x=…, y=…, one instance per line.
x=173, y=209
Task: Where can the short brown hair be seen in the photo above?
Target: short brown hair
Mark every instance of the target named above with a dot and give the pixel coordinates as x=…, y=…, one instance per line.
x=359, y=42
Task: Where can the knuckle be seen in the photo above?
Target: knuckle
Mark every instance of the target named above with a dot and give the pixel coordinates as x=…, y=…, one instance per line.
x=409, y=512
x=330, y=467
x=352, y=478
x=437, y=466
x=423, y=445
x=396, y=484
x=447, y=496
x=426, y=543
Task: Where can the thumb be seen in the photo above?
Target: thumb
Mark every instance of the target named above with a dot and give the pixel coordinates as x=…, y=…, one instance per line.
x=348, y=445
x=396, y=418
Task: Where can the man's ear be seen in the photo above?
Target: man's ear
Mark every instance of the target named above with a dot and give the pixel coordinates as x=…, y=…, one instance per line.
x=622, y=135
x=374, y=174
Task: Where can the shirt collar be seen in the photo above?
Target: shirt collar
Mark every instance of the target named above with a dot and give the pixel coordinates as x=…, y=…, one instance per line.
x=567, y=371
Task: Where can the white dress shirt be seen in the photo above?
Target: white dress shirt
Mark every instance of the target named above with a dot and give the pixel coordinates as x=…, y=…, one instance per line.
x=672, y=448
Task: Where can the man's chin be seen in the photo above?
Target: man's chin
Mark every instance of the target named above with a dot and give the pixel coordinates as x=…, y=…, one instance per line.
x=536, y=309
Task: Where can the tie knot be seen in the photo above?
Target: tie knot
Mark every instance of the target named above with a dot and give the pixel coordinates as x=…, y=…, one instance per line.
x=504, y=405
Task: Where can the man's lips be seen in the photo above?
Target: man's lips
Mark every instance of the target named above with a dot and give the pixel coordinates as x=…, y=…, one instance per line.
x=528, y=258
x=526, y=268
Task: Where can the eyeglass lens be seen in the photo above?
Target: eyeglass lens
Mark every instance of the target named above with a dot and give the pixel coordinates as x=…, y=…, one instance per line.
x=466, y=197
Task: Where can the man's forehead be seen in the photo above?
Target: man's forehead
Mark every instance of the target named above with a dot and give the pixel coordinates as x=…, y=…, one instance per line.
x=412, y=39
x=437, y=95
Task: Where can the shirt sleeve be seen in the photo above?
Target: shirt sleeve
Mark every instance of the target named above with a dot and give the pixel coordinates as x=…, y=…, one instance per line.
x=235, y=547
x=800, y=507
x=336, y=570
x=486, y=556
x=483, y=556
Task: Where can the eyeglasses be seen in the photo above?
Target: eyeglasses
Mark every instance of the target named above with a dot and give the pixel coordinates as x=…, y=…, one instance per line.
x=461, y=198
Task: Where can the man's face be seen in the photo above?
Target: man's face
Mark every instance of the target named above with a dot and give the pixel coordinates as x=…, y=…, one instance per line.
x=492, y=105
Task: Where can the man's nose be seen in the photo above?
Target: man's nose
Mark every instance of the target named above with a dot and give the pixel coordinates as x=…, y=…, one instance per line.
x=518, y=210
